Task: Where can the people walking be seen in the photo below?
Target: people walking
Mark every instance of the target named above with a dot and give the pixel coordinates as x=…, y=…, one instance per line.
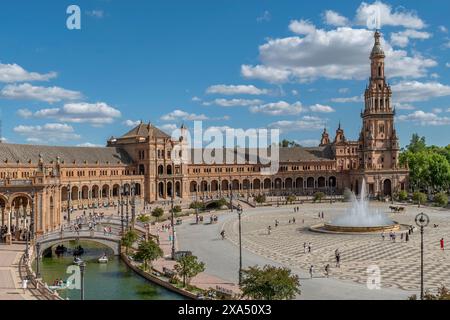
x=383, y=235
x=327, y=270
x=304, y=247
x=311, y=271
x=269, y=228
x=309, y=247
x=442, y=243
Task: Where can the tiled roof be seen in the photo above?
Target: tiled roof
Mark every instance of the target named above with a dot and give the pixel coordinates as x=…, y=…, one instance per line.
x=24, y=153
x=142, y=130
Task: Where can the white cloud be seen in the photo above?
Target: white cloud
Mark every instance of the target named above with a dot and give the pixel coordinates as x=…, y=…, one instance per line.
x=233, y=102
x=265, y=17
x=302, y=27
x=321, y=108
x=294, y=92
x=196, y=99
x=89, y=145
x=236, y=90
x=94, y=113
x=348, y=99
x=401, y=39
x=333, y=18
x=425, y=118
x=404, y=106
x=24, y=113
x=14, y=73
x=131, y=123
x=306, y=123
x=443, y=29
x=447, y=64
x=27, y=91
x=412, y=91
x=183, y=115
x=341, y=53
x=343, y=90
x=168, y=127
x=437, y=110
x=48, y=133
x=388, y=16
x=280, y=108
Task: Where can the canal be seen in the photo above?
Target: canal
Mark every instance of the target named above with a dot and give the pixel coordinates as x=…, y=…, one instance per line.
x=111, y=281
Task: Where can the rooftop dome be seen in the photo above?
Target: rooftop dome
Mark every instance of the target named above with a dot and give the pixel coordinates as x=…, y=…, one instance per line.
x=377, y=50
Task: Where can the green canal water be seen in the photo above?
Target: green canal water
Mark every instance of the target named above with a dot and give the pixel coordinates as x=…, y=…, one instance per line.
x=111, y=281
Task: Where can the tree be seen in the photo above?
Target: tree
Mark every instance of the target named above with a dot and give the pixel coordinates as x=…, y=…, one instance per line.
x=288, y=144
x=417, y=144
x=441, y=199
x=260, y=198
x=158, y=213
x=188, y=267
x=177, y=209
x=269, y=283
x=290, y=199
x=402, y=195
x=128, y=239
x=148, y=251
x=143, y=218
x=442, y=294
x=196, y=205
x=318, y=196
x=419, y=198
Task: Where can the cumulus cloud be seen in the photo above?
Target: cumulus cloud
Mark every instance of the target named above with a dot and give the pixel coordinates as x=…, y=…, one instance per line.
x=388, y=16
x=308, y=142
x=425, y=118
x=321, y=108
x=168, y=127
x=236, y=90
x=89, y=145
x=14, y=73
x=233, y=102
x=48, y=133
x=279, y=108
x=27, y=91
x=183, y=115
x=131, y=123
x=306, y=123
x=333, y=18
x=401, y=39
x=94, y=113
x=341, y=53
x=412, y=91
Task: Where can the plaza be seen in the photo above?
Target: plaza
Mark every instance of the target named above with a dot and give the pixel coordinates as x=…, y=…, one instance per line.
x=399, y=261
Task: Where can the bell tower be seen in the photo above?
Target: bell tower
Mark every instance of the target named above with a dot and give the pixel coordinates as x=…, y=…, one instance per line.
x=378, y=139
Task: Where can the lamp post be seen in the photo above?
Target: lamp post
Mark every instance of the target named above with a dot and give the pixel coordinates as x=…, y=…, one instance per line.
x=422, y=220
x=32, y=220
x=38, y=258
x=82, y=269
x=173, y=225
x=69, y=198
x=121, y=209
x=196, y=206
x=133, y=204
x=231, y=196
x=127, y=200
x=239, y=212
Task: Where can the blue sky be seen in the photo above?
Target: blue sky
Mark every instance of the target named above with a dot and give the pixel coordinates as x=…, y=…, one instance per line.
x=293, y=65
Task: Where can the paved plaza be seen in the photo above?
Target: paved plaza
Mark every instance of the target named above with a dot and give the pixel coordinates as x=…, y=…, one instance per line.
x=399, y=261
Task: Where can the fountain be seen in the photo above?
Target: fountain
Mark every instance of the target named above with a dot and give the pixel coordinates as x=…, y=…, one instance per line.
x=360, y=218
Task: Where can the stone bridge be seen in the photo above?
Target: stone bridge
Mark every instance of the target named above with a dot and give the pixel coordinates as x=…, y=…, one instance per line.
x=51, y=239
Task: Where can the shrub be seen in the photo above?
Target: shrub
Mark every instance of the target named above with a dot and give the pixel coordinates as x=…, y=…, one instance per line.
x=260, y=198
x=196, y=205
x=441, y=199
x=403, y=195
x=318, y=196
x=157, y=213
x=419, y=197
x=290, y=199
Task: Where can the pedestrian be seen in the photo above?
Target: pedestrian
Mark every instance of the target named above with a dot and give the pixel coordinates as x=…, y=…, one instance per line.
x=406, y=237
x=311, y=271
x=309, y=247
x=269, y=228
x=304, y=247
x=24, y=285
x=382, y=235
x=338, y=260
x=327, y=270
x=442, y=243
x=276, y=223
x=293, y=220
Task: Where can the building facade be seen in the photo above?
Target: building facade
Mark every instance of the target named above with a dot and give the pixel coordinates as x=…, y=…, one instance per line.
x=41, y=185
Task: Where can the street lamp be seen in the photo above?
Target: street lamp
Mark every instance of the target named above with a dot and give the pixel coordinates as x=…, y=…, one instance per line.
x=32, y=215
x=69, y=198
x=38, y=258
x=82, y=269
x=239, y=212
x=121, y=209
x=173, y=225
x=422, y=220
x=133, y=204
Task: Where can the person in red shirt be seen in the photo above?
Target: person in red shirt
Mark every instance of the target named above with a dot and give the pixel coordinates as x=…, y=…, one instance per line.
x=442, y=244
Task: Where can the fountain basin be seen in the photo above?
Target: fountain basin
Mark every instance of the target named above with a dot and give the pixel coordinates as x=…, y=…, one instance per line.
x=330, y=228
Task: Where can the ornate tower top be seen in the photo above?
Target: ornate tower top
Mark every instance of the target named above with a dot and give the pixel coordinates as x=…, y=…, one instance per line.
x=377, y=50
x=325, y=138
